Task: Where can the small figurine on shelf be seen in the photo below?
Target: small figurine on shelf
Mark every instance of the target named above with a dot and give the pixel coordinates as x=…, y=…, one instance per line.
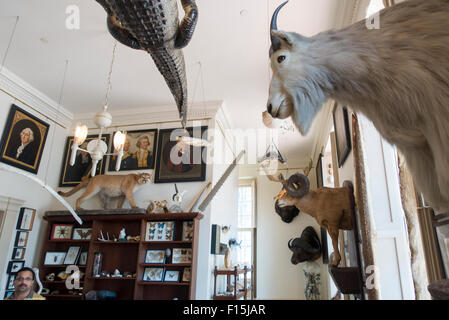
x=117, y=274
x=50, y=277
x=150, y=207
x=122, y=236
x=161, y=207
x=135, y=238
x=177, y=201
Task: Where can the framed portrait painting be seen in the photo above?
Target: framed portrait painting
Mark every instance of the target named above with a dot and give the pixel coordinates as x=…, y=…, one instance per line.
x=342, y=133
x=23, y=140
x=139, y=151
x=71, y=175
x=177, y=161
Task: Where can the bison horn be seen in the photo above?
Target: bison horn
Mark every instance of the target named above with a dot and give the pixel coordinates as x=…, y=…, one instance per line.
x=297, y=185
x=275, y=42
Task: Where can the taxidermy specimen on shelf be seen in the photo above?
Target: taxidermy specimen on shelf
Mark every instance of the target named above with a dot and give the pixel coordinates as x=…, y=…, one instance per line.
x=109, y=187
x=154, y=26
x=397, y=76
x=332, y=208
x=305, y=248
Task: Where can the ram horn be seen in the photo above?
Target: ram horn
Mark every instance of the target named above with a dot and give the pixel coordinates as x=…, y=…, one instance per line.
x=297, y=185
x=275, y=42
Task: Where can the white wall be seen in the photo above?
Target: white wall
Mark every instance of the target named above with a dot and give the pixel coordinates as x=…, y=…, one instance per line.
x=277, y=277
x=18, y=187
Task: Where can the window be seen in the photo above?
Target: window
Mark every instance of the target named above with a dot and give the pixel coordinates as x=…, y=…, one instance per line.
x=247, y=226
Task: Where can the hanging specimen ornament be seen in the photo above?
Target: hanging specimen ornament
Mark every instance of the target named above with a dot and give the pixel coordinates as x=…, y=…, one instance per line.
x=97, y=148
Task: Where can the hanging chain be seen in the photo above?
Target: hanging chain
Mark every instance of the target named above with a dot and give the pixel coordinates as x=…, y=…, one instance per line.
x=106, y=100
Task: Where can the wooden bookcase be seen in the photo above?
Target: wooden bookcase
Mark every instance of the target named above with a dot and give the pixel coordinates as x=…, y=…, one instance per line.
x=126, y=256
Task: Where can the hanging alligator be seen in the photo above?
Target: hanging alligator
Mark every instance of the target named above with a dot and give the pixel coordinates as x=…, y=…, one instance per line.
x=153, y=26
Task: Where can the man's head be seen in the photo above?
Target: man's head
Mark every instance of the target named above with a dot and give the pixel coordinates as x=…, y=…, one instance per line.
x=26, y=135
x=24, y=280
x=143, y=142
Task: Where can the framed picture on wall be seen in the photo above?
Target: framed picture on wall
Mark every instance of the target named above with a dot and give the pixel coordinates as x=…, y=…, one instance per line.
x=23, y=140
x=71, y=175
x=18, y=254
x=180, y=162
x=319, y=172
x=14, y=266
x=10, y=282
x=139, y=151
x=26, y=219
x=319, y=184
x=342, y=133
x=21, y=239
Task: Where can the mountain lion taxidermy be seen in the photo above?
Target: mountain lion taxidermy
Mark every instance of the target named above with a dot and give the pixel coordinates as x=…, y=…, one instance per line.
x=108, y=187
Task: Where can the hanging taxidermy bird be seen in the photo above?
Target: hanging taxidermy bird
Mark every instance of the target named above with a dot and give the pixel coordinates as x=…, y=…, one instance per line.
x=154, y=26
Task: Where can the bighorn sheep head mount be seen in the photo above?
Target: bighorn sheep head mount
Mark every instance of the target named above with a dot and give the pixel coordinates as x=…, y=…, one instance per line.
x=358, y=67
x=332, y=208
x=305, y=248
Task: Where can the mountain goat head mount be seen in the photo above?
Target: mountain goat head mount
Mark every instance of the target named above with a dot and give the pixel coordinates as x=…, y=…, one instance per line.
x=396, y=76
x=332, y=208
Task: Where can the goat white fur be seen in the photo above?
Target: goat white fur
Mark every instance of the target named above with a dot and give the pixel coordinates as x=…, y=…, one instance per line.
x=397, y=76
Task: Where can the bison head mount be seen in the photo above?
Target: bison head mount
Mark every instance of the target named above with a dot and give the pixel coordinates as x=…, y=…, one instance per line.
x=305, y=248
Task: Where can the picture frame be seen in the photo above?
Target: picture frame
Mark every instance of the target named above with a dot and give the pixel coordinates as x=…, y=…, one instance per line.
x=182, y=255
x=186, y=274
x=319, y=184
x=160, y=231
x=342, y=133
x=23, y=140
x=83, y=258
x=21, y=239
x=18, y=254
x=319, y=171
x=10, y=282
x=54, y=258
x=14, y=266
x=187, y=230
x=7, y=293
x=61, y=232
x=171, y=276
x=155, y=256
x=139, y=151
x=96, y=266
x=72, y=255
x=153, y=274
x=172, y=165
x=71, y=176
x=82, y=234
x=26, y=219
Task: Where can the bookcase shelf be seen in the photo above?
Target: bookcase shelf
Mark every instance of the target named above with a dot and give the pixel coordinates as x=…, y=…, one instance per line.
x=126, y=256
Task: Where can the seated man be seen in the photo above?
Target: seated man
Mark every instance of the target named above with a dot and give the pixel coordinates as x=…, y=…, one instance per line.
x=23, y=284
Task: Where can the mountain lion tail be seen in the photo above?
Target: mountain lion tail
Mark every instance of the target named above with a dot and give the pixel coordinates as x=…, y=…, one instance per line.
x=84, y=182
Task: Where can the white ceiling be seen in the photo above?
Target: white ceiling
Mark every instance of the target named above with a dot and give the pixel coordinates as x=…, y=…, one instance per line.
x=227, y=58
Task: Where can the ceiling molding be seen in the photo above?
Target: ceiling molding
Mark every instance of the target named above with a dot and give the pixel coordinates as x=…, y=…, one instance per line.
x=22, y=91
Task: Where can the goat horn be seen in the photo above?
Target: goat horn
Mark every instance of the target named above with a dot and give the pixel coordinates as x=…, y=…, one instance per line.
x=275, y=42
x=299, y=180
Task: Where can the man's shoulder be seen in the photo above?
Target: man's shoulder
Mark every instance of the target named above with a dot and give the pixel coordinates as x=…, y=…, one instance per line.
x=37, y=296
